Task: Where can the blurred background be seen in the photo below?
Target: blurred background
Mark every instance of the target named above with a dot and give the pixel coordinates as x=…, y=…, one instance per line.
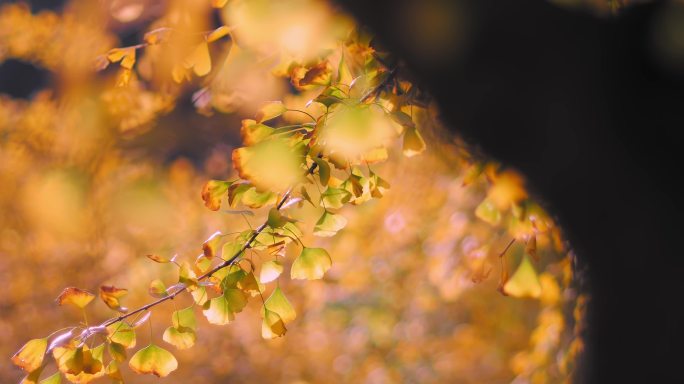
x=101, y=166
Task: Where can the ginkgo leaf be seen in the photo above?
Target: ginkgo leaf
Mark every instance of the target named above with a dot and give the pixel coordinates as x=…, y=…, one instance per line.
x=210, y=246
x=199, y=60
x=114, y=372
x=507, y=188
x=124, y=77
x=75, y=296
x=272, y=325
x=222, y=309
x=378, y=185
x=187, y=276
x=253, y=132
x=184, y=318
x=117, y=351
x=30, y=356
x=279, y=304
x=56, y=378
x=531, y=247
x=121, y=333
x=250, y=285
x=153, y=360
x=270, y=271
x=231, y=249
x=311, y=264
x=213, y=192
x=270, y=110
x=111, y=295
x=276, y=219
x=255, y=199
x=524, y=282
x=200, y=296
x=329, y=224
x=335, y=197
x=202, y=263
x=323, y=170
x=413, y=142
x=157, y=36
x=125, y=55
x=488, y=212
x=180, y=337
x=79, y=365
x=157, y=288
x=270, y=165
x=158, y=258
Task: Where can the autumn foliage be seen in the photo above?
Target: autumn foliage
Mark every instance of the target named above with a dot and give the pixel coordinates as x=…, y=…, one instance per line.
x=404, y=243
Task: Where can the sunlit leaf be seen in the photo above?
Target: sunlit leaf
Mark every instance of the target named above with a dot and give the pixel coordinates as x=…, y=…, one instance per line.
x=213, y=192
x=524, y=282
x=153, y=360
x=311, y=264
x=187, y=276
x=56, y=378
x=75, y=296
x=378, y=185
x=210, y=246
x=271, y=165
x=231, y=249
x=222, y=309
x=121, y=333
x=507, y=188
x=272, y=325
x=329, y=224
x=30, y=356
x=200, y=296
x=79, y=365
x=125, y=55
x=157, y=288
x=253, y=132
x=270, y=271
x=202, y=263
x=488, y=212
x=250, y=285
x=199, y=60
x=270, y=110
x=117, y=351
x=110, y=295
x=33, y=377
x=335, y=197
x=158, y=258
x=255, y=199
x=124, y=77
x=114, y=372
x=157, y=36
x=181, y=337
x=279, y=304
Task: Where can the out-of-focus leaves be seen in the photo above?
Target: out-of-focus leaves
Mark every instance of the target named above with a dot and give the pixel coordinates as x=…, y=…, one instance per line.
x=55, y=378
x=531, y=247
x=524, y=282
x=125, y=55
x=269, y=111
x=329, y=224
x=114, y=372
x=218, y=33
x=488, y=212
x=200, y=60
x=253, y=132
x=75, y=296
x=323, y=170
x=110, y=295
x=153, y=360
x=30, y=356
x=311, y=264
x=157, y=288
x=413, y=142
x=335, y=197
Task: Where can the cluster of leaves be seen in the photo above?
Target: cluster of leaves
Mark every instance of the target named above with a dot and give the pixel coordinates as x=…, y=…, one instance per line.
x=278, y=167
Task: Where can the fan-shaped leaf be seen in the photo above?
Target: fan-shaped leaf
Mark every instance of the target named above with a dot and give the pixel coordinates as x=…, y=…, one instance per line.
x=279, y=304
x=153, y=360
x=75, y=296
x=329, y=224
x=30, y=356
x=311, y=264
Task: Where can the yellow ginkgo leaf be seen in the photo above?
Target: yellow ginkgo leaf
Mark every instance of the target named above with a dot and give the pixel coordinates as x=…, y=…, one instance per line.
x=110, y=295
x=272, y=326
x=271, y=165
x=311, y=264
x=199, y=60
x=213, y=192
x=79, y=365
x=30, y=356
x=75, y=296
x=153, y=360
x=270, y=271
x=279, y=304
x=524, y=282
x=329, y=224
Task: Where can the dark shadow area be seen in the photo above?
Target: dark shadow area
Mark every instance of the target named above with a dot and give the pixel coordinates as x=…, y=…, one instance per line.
x=582, y=107
x=32, y=78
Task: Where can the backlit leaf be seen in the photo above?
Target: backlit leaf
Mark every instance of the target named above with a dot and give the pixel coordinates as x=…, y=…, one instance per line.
x=279, y=304
x=311, y=264
x=122, y=333
x=270, y=110
x=158, y=259
x=111, y=295
x=157, y=288
x=200, y=296
x=202, y=263
x=270, y=271
x=218, y=33
x=213, y=192
x=210, y=246
x=255, y=199
x=180, y=337
x=335, y=197
x=153, y=360
x=56, y=378
x=270, y=165
x=114, y=372
x=231, y=249
x=272, y=325
x=33, y=377
x=253, y=132
x=30, y=356
x=218, y=3
x=329, y=224
x=323, y=170
x=199, y=60
x=79, y=365
x=117, y=351
x=75, y=296
x=222, y=309
x=524, y=282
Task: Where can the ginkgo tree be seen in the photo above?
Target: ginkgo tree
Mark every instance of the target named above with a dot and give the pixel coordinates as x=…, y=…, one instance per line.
x=361, y=106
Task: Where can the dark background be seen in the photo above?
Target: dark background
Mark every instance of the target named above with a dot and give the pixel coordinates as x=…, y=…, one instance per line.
x=588, y=108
